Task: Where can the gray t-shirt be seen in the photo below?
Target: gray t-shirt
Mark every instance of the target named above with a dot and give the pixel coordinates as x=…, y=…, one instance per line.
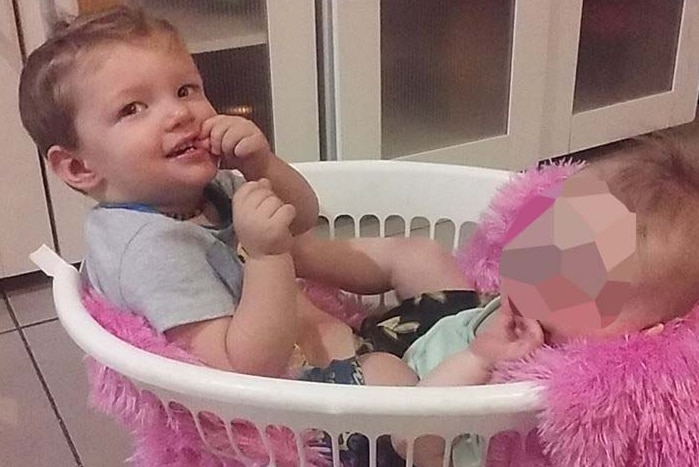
x=172, y=272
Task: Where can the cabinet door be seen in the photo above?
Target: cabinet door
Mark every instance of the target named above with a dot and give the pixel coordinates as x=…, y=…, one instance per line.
x=439, y=80
x=24, y=215
x=621, y=68
x=257, y=59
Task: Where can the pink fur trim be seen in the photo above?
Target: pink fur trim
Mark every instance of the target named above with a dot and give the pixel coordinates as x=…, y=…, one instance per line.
x=162, y=441
x=479, y=260
x=628, y=401
x=345, y=307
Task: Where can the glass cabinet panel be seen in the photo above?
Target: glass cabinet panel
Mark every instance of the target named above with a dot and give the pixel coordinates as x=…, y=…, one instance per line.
x=445, y=73
x=237, y=83
x=627, y=50
x=228, y=40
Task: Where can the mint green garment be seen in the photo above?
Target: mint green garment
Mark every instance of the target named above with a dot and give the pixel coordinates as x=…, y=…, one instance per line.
x=447, y=337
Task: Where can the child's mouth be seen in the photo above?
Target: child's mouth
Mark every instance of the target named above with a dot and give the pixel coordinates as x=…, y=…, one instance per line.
x=182, y=150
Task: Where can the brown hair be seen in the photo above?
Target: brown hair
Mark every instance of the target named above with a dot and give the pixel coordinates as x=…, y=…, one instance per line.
x=659, y=180
x=655, y=175
x=46, y=100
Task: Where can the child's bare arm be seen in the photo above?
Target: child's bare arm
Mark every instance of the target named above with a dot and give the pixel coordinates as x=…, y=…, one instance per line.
x=289, y=185
x=259, y=337
x=242, y=146
x=261, y=334
x=509, y=337
x=461, y=369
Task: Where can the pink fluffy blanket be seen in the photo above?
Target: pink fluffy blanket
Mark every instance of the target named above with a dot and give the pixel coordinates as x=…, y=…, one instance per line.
x=630, y=401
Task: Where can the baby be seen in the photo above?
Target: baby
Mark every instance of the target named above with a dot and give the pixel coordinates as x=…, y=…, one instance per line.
x=606, y=253
x=117, y=106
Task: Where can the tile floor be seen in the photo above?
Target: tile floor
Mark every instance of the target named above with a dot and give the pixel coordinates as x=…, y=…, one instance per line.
x=44, y=417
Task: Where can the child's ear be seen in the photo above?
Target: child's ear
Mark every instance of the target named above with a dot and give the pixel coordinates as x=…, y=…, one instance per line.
x=73, y=170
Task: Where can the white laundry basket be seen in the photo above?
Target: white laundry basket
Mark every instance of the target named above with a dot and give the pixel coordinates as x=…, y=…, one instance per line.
x=382, y=189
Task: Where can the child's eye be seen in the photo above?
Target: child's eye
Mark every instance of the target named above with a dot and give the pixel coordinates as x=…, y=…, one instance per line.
x=131, y=109
x=187, y=90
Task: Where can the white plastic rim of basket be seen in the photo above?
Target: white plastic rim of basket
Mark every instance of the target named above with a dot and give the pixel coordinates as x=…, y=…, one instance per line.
x=231, y=387
x=217, y=384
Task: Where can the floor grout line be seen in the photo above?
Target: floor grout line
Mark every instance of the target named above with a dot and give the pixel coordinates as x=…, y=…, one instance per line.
x=10, y=310
x=37, y=323
x=52, y=401
x=42, y=380
x=17, y=326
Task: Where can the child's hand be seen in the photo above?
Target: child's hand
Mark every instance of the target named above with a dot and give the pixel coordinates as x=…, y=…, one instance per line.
x=508, y=337
x=235, y=139
x=261, y=220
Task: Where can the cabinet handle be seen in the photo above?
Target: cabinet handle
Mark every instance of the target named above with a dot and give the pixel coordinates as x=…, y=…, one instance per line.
x=243, y=110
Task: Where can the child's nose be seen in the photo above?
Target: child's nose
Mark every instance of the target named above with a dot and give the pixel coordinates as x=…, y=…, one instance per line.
x=179, y=114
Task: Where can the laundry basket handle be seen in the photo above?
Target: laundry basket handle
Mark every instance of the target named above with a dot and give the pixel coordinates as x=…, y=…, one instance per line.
x=48, y=260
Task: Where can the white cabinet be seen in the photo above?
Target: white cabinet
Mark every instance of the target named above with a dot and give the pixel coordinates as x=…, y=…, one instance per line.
x=24, y=216
x=619, y=69
x=257, y=58
x=439, y=80
x=503, y=83
x=498, y=83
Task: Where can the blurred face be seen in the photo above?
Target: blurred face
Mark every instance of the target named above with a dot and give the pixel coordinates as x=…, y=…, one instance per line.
x=570, y=258
x=140, y=108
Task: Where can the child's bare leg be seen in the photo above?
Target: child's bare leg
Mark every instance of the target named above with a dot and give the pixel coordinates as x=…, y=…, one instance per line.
x=413, y=265
x=410, y=266
x=322, y=337
x=385, y=369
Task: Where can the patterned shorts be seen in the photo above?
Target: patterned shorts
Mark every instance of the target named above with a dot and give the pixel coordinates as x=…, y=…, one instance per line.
x=347, y=371
x=393, y=332
x=396, y=330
